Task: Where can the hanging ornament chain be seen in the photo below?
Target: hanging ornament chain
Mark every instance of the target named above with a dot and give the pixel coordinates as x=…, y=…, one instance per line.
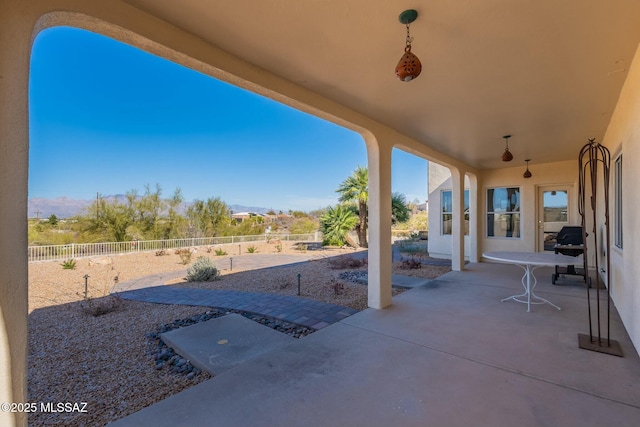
x=407, y=48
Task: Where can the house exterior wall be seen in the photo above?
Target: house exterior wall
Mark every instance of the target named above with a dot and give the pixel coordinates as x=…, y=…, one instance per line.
x=558, y=173
x=440, y=244
x=438, y=174
x=623, y=137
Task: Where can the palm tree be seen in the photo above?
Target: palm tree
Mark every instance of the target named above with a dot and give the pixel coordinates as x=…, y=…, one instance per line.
x=336, y=223
x=399, y=208
x=356, y=188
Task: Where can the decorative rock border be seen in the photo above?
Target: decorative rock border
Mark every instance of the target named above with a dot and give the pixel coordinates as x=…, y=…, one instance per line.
x=166, y=358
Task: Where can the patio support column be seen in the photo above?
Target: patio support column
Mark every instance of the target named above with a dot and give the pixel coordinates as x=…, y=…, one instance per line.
x=380, y=263
x=457, y=230
x=474, y=219
x=15, y=50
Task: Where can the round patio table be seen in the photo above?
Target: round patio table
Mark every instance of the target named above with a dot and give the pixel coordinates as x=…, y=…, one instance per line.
x=529, y=261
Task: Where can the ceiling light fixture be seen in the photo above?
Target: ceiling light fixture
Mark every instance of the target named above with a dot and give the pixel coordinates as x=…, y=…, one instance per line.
x=527, y=173
x=507, y=156
x=409, y=66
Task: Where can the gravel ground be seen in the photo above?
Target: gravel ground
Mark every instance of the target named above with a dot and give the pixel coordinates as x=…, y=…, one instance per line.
x=108, y=361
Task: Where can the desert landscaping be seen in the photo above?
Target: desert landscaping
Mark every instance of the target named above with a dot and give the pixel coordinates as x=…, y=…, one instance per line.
x=108, y=361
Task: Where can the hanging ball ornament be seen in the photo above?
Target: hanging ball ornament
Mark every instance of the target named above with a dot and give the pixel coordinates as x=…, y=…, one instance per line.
x=409, y=66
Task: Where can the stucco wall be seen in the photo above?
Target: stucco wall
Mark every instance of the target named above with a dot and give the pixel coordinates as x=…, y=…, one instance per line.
x=15, y=48
x=550, y=174
x=623, y=136
x=438, y=174
x=557, y=173
x=440, y=244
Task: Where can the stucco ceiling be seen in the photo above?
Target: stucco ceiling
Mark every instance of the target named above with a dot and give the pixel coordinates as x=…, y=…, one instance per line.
x=547, y=72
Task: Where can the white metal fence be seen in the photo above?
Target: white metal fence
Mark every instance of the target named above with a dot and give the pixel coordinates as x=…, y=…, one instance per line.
x=83, y=250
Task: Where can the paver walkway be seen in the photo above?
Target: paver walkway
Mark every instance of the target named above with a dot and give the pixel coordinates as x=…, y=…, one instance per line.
x=304, y=312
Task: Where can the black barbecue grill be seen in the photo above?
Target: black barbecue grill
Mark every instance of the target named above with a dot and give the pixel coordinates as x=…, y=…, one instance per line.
x=569, y=242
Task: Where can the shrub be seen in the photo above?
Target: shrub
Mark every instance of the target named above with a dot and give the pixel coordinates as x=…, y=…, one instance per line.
x=252, y=249
x=336, y=223
x=69, y=264
x=185, y=255
x=342, y=263
x=277, y=244
x=161, y=252
x=304, y=225
x=202, y=270
x=221, y=252
x=101, y=306
x=411, y=264
x=407, y=246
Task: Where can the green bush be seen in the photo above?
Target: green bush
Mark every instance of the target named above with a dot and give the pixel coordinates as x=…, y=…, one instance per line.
x=202, y=270
x=303, y=225
x=407, y=246
x=336, y=223
x=221, y=252
x=69, y=264
x=252, y=249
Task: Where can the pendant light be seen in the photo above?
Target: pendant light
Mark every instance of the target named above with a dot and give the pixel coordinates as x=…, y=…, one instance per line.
x=409, y=66
x=527, y=173
x=507, y=156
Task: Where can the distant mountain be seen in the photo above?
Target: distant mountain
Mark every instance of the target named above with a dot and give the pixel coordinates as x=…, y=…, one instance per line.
x=240, y=208
x=64, y=207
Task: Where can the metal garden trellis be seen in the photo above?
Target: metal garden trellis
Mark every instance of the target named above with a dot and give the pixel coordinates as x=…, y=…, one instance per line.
x=592, y=155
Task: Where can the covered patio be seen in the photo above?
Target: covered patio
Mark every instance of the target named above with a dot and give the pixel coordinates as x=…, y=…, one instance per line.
x=445, y=354
x=550, y=73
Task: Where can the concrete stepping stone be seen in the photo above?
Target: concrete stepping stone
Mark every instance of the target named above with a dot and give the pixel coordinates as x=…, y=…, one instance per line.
x=220, y=344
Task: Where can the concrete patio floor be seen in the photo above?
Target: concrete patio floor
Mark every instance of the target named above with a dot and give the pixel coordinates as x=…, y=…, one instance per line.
x=445, y=354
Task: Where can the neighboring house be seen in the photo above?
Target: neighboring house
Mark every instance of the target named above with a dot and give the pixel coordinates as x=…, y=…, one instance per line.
x=242, y=216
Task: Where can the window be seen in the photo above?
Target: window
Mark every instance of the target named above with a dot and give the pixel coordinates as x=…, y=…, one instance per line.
x=617, y=189
x=447, y=212
x=503, y=212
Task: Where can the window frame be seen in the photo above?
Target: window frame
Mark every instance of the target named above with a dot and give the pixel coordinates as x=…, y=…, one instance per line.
x=617, y=203
x=444, y=213
x=516, y=213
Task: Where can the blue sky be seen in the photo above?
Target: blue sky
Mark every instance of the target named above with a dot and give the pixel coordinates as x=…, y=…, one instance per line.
x=107, y=118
